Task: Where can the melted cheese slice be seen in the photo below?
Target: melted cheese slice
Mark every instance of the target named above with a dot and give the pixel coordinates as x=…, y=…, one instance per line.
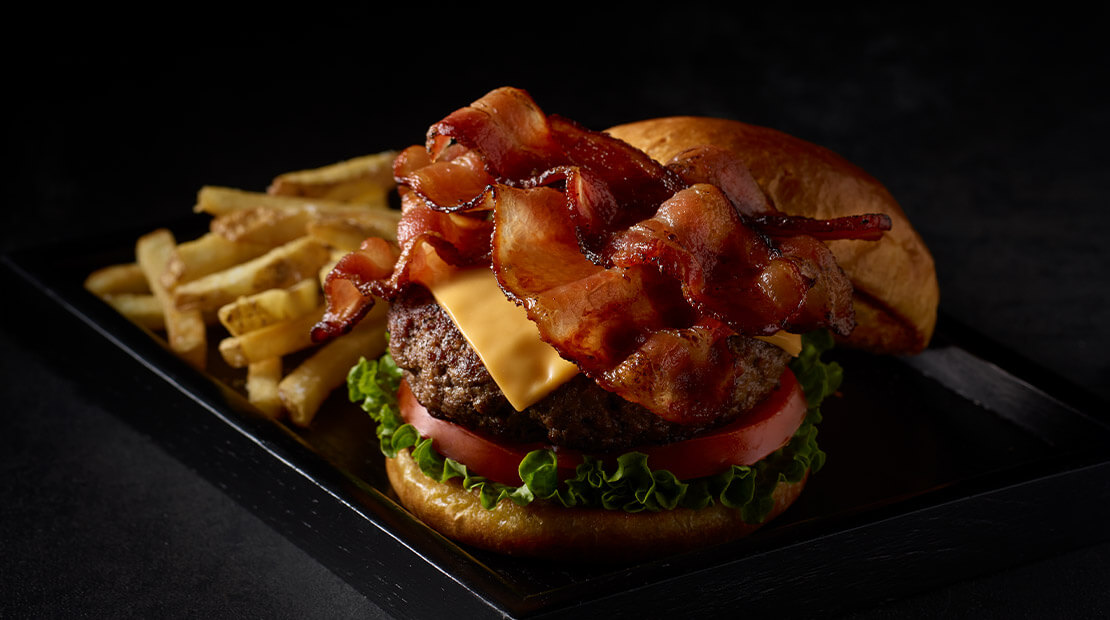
x=791, y=343
x=523, y=366
x=508, y=343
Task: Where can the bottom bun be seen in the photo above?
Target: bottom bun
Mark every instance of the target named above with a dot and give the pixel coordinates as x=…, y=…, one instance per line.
x=554, y=532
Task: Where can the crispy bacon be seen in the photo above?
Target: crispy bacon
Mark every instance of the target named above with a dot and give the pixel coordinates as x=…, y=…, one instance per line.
x=609, y=184
x=352, y=285
x=731, y=273
x=867, y=227
x=641, y=273
x=716, y=166
x=432, y=244
x=507, y=128
x=456, y=183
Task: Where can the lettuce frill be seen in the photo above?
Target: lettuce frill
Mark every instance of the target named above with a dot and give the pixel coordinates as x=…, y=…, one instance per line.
x=631, y=484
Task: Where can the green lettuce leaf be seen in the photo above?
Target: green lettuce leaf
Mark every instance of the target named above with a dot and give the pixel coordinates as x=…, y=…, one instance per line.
x=632, y=485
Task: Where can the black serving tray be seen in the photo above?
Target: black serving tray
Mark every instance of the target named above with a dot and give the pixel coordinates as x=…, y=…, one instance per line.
x=959, y=461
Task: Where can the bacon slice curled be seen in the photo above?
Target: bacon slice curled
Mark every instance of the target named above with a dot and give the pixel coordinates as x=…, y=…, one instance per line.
x=641, y=273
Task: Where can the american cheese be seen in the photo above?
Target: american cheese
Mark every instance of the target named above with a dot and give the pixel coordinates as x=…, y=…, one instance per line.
x=791, y=343
x=524, y=367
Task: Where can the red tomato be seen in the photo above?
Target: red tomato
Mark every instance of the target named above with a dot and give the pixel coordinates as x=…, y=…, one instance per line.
x=743, y=442
x=482, y=455
x=746, y=441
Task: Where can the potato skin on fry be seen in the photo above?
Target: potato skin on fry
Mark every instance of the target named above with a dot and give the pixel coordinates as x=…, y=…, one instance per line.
x=205, y=255
x=305, y=388
x=270, y=306
x=113, y=279
x=262, y=386
x=362, y=179
x=185, y=328
x=281, y=267
x=275, y=340
x=140, y=308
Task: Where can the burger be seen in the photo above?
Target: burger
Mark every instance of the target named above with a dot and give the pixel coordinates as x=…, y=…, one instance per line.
x=607, y=344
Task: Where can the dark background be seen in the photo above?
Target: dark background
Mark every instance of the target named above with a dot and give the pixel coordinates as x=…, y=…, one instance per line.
x=990, y=128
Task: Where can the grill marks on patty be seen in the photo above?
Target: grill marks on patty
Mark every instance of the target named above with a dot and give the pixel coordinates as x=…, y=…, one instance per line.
x=447, y=377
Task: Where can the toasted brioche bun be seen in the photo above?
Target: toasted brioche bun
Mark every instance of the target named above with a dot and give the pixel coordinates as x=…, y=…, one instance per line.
x=550, y=531
x=895, y=282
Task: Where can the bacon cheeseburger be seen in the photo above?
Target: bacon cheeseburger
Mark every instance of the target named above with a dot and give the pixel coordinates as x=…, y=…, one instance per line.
x=606, y=344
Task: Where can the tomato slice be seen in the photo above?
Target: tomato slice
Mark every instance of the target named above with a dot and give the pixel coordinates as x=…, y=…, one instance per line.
x=743, y=442
x=482, y=455
x=746, y=441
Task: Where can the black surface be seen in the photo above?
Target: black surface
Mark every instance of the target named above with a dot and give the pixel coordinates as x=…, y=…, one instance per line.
x=989, y=129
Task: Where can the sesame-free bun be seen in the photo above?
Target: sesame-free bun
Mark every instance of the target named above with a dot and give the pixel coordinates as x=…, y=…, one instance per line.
x=896, y=291
x=551, y=531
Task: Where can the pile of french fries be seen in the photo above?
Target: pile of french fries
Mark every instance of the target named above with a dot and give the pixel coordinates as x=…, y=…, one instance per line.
x=256, y=280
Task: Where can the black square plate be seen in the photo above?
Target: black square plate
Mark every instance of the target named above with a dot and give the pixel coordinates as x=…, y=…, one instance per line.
x=959, y=461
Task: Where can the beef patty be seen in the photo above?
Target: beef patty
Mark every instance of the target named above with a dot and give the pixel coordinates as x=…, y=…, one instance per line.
x=448, y=378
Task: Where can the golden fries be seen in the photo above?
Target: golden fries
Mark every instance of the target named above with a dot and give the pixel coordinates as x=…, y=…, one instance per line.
x=262, y=386
x=281, y=267
x=185, y=329
x=258, y=274
x=206, y=255
x=362, y=179
x=345, y=231
x=139, y=308
x=336, y=255
x=218, y=201
x=304, y=389
x=266, y=226
x=125, y=278
x=247, y=314
x=275, y=340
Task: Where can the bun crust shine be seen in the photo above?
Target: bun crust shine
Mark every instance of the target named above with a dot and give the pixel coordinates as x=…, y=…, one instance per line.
x=896, y=292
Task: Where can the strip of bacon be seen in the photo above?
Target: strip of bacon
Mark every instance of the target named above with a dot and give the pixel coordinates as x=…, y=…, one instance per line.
x=507, y=128
x=716, y=166
x=455, y=183
x=352, y=285
x=609, y=184
x=867, y=227
x=730, y=273
x=432, y=245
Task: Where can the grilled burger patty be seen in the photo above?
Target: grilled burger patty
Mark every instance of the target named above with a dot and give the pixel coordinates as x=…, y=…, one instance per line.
x=448, y=378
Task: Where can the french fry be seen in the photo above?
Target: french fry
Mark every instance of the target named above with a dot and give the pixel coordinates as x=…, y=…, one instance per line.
x=281, y=267
x=217, y=201
x=275, y=340
x=123, y=278
x=268, y=307
x=304, y=389
x=205, y=255
x=362, y=179
x=336, y=255
x=262, y=386
x=185, y=329
x=268, y=226
x=140, y=308
x=336, y=234
x=346, y=231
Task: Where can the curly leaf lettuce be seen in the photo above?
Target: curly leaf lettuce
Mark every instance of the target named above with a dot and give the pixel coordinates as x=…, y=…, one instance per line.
x=631, y=485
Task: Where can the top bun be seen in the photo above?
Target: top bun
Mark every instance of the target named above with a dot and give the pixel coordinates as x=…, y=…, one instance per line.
x=895, y=282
